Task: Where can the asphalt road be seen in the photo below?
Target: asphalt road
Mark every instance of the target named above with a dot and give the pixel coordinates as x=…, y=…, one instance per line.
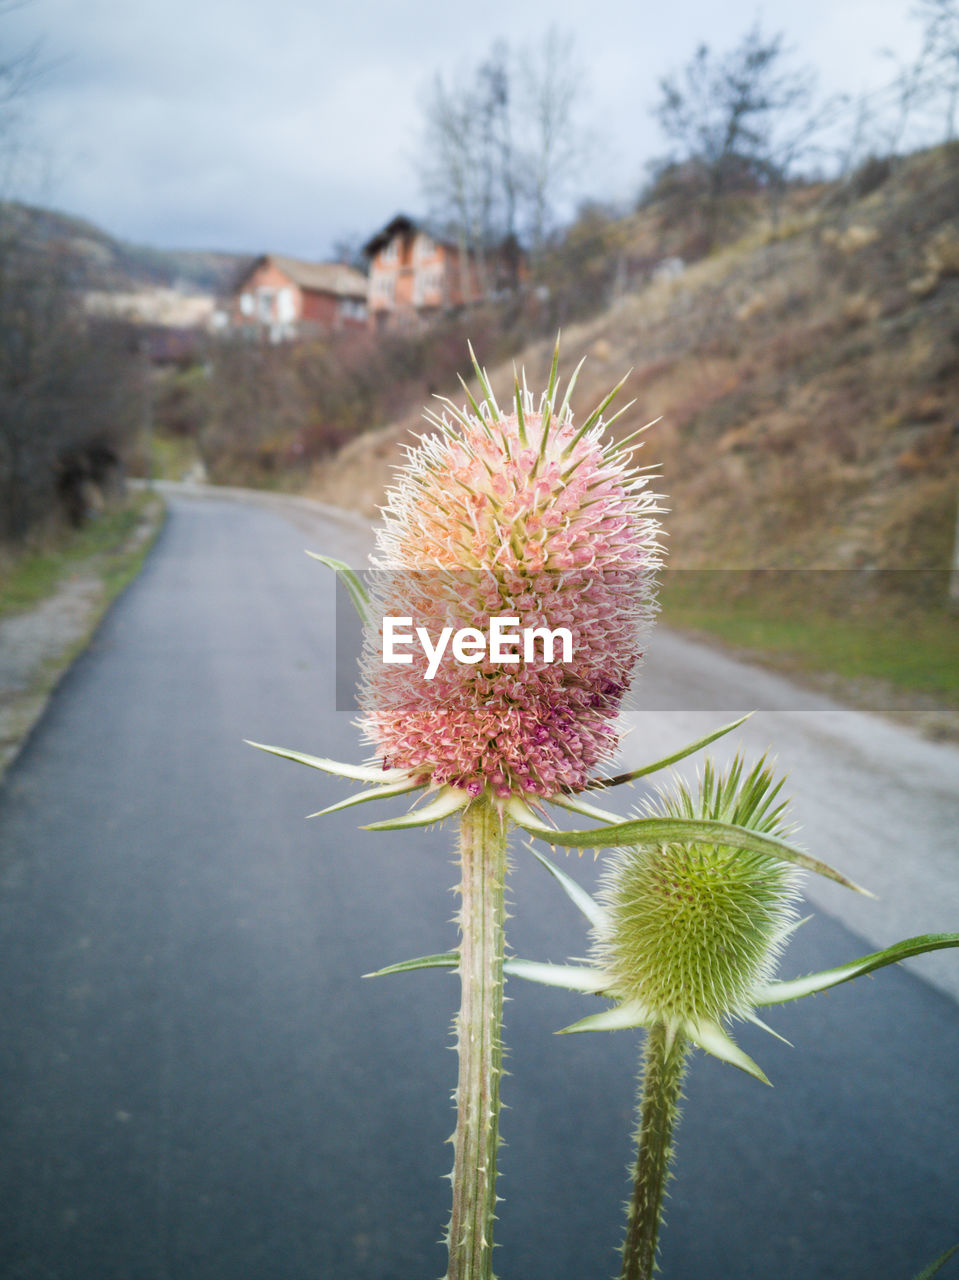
x=196, y=1083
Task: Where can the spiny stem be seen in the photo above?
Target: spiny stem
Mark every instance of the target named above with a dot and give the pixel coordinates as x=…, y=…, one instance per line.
x=663, y=1068
x=479, y=1042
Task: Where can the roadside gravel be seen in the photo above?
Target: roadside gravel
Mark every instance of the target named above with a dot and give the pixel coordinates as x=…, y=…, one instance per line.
x=38, y=645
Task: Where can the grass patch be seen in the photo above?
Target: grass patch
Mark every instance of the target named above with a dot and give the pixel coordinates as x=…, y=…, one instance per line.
x=172, y=457
x=106, y=547
x=896, y=628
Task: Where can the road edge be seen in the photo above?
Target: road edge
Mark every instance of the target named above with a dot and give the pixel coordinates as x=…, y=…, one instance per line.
x=23, y=707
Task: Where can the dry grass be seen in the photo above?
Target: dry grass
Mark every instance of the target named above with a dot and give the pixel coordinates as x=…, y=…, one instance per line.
x=809, y=395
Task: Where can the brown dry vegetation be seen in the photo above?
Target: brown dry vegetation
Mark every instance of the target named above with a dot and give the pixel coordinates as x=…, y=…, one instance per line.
x=807, y=378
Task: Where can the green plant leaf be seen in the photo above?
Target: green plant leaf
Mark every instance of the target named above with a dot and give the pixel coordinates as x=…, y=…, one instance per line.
x=795, y=988
x=355, y=772
x=564, y=407
x=620, y=1018
x=351, y=580
x=448, y=960
x=378, y=793
x=649, y=832
x=935, y=1267
x=524, y=816
x=482, y=378
x=599, y=410
x=548, y=397
x=448, y=801
x=655, y=767
x=590, y=908
x=758, y=1022
x=518, y=401
x=574, y=977
x=711, y=1037
x=576, y=805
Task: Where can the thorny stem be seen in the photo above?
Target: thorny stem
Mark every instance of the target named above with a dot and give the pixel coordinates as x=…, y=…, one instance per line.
x=663, y=1069
x=478, y=1042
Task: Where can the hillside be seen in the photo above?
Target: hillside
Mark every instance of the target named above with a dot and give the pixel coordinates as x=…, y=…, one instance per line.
x=807, y=379
x=98, y=261
x=807, y=382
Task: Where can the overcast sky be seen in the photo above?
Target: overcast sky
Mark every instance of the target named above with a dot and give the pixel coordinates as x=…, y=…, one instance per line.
x=247, y=125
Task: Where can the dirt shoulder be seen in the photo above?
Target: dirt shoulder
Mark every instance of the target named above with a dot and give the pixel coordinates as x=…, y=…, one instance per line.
x=38, y=644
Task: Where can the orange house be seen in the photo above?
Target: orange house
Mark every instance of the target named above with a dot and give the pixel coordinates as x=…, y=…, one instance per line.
x=415, y=273
x=287, y=298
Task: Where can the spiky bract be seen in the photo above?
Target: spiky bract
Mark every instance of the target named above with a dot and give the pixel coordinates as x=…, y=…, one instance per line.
x=694, y=930
x=516, y=515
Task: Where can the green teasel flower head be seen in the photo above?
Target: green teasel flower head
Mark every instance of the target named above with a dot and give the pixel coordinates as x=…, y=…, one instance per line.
x=692, y=931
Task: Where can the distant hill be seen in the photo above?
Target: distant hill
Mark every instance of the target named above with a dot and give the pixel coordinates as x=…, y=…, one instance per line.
x=99, y=261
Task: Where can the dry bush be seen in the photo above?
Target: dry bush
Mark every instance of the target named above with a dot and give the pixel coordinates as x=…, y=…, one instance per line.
x=69, y=396
x=274, y=411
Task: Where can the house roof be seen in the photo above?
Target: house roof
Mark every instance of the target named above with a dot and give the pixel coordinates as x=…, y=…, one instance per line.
x=405, y=226
x=319, y=277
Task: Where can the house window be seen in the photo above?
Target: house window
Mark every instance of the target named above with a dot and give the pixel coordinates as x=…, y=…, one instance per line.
x=424, y=246
x=265, y=298
x=388, y=253
x=285, y=306
x=352, y=309
x=246, y=304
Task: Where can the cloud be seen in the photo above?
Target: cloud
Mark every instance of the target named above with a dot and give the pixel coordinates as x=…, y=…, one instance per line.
x=246, y=125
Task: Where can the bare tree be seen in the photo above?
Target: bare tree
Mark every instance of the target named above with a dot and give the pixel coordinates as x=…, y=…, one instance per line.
x=497, y=93
x=938, y=63
x=19, y=71
x=499, y=145
x=741, y=119
x=554, y=148
x=454, y=172
x=68, y=390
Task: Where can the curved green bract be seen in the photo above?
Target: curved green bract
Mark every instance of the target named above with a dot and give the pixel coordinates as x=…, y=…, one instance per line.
x=621, y=1017
x=650, y=832
x=361, y=797
x=794, y=989
x=935, y=1267
x=355, y=772
x=449, y=800
x=666, y=761
x=575, y=804
x=448, y=960
x=572, y=977
x=590, y=908
x=351, y=580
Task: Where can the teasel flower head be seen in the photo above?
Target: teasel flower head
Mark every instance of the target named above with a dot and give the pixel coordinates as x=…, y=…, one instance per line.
x=519, y=514
x=692, y=931
x=696, y=903
x=693, y=910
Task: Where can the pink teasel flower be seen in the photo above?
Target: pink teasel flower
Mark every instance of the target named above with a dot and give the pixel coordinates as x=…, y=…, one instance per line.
x=520, y=515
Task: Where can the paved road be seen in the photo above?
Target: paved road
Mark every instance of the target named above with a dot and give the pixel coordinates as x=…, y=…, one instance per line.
x=195, y=1083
